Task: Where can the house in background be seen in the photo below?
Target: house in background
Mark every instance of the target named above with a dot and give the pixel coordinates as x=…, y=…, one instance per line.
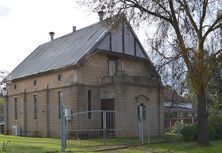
x=94, y=68
x=177, y=108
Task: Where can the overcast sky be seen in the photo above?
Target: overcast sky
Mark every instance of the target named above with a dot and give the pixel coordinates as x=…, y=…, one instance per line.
x=25, y=24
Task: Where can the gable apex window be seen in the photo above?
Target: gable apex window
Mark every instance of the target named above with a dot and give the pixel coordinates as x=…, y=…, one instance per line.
x=15, y=86
x=112, y=66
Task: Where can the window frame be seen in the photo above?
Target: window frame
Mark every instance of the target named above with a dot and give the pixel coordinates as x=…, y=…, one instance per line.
x=35, y=82
x=59, y=77
x=16, y=108
x=60, y=101
x=114, y=60
x=143, y=110
x=35, y=107
x=89, y=102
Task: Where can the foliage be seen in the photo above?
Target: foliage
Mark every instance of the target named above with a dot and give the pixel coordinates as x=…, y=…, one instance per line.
x=3, y=75
x=1, y=104
x=1, y=100
x=36, y=134
x=190, y=133
x=212, y=132
x=178, y=125
x=216, y=121
x=215, y=89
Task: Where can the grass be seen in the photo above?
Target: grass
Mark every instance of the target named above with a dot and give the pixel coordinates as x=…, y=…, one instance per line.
x=45, y=145
x=173, y=147
x=28, y=144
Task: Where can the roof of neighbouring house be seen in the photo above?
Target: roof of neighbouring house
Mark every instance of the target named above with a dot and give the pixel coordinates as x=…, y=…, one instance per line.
x=172, y=96
x=175, y=101
x=62, y=52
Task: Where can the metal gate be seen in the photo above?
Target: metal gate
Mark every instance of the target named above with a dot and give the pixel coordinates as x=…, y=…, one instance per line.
x=100, y=129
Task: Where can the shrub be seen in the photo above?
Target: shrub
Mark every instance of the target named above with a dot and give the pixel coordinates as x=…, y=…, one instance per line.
x=178, y=125
x=212, y=132
x=216, y=121
x=36, y=134
x=71, y=135
x=190, y=133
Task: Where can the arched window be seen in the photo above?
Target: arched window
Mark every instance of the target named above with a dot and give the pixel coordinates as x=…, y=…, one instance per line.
x=143, y=110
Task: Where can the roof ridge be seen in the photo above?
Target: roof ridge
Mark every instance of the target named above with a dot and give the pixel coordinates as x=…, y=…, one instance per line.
x=69, y=34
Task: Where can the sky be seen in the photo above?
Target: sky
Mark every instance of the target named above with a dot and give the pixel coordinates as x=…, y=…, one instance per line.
x=25, y=24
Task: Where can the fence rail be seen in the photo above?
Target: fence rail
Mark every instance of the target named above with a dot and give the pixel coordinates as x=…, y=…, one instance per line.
x=101, y=128
x=105, y=129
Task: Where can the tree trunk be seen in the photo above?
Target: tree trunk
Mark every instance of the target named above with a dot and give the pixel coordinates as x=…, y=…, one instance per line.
x=203, y=136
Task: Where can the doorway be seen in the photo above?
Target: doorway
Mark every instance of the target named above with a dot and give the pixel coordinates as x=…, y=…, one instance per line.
x=109, y=106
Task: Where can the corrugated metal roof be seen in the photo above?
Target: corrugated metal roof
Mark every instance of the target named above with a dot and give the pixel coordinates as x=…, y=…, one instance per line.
x=61, y=52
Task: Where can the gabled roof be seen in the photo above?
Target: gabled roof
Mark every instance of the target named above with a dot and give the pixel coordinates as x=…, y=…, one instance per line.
x=63, y=52
x=172, y=96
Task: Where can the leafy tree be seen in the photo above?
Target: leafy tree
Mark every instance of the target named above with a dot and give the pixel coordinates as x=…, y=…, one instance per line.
x=215, y=89
x=3, y=75
x=1, y=105
x=188, y=34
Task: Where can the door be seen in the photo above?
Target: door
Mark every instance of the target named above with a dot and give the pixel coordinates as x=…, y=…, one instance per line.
x=108, y=105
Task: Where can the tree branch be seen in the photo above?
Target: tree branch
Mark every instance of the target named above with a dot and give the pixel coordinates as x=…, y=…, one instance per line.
x=164, y=8
x=214, y=26
x=142, y=9
x=191, y=18
x=204, y=11
x=218, y=52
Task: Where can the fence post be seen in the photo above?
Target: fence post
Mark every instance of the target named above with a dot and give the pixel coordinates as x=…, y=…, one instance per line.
x=141, y=124
x=104, y=126
x=62, y=135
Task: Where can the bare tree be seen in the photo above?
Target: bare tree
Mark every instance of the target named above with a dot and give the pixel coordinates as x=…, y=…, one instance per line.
x=188, y=32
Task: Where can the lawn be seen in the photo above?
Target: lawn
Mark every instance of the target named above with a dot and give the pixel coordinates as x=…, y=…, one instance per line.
x=28, y=144
x=175, y=147
x=45, y=145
